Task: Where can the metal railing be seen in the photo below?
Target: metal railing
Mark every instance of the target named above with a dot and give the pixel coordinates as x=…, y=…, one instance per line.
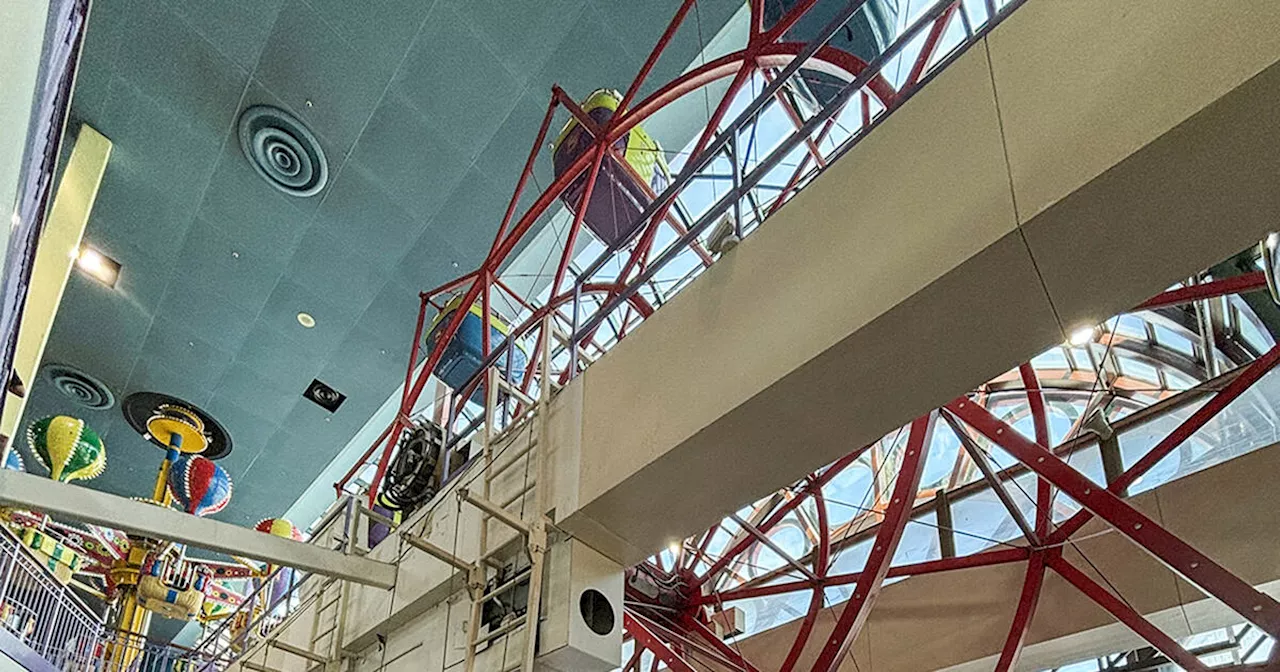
x=128, y=652
x=222, y=646
x=42, y=614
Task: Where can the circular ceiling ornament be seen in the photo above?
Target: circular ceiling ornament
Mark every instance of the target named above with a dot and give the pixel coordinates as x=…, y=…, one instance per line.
x=165, y=414
x=283, y=151
x=80, y=387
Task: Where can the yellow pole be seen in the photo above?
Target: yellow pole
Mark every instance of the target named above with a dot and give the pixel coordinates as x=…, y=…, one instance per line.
x=161, y=492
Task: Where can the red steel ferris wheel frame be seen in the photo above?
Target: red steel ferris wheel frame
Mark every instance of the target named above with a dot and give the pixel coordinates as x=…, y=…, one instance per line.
x=674, y=643
x=1044, y=551
x=763, y=51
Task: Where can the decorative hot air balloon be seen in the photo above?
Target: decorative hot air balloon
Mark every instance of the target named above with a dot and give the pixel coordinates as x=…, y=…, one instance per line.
x=199, y=485
x=284, y=577
x=67, y=447
x=279, y=527
x=13, y=461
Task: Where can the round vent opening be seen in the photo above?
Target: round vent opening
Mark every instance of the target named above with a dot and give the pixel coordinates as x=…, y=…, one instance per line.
x=80, y=387
x=596, y=611
x=283, y=151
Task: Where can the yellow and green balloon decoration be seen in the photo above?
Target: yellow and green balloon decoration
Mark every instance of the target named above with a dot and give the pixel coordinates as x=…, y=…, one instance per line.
x=67, y=447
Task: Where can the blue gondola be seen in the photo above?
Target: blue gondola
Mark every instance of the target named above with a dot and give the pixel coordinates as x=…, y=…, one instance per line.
x=464, y=354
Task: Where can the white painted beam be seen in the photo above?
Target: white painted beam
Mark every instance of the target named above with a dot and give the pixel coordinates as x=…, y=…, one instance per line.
x=62, y=500
x=966, y=234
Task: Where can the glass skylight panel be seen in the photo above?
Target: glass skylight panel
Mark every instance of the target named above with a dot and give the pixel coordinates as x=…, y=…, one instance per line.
x=1131, y=326
x=1174, y=341
x=1133, y=367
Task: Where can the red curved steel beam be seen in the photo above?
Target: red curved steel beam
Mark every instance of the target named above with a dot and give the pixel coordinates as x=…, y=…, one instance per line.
x=1236, y=284
x=774, y=518
x=896, y=515
x=1027, y=602
x=644, y=636
x=819, y=597
x=983, y=559
x=1034, y=577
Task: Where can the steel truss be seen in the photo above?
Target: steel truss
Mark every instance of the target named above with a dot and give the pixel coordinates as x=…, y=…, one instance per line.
x=715, y=581
x=588, y=307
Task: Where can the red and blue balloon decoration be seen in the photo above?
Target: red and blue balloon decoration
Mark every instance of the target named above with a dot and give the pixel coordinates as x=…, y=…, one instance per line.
x=199, y=485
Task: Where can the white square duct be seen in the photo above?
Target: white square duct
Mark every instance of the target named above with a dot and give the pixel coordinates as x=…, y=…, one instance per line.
x=581, y=630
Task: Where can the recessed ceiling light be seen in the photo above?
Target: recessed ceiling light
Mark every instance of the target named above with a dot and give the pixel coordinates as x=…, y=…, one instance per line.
x=99, y=266
x=1081, y=336
x=306, y=320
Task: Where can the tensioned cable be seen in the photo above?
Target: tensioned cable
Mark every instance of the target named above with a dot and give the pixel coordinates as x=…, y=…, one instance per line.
x=827, y=606
x=875, y=479
x=1099, y=378
x=931, y=525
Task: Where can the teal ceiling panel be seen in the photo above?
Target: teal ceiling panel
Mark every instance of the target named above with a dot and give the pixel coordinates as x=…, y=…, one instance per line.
x=246, y=386
x=471, y=216
x=180, y=70
x=151, y=374
x=237, y=28
x=319, y=75
x=97, y=330
x=379, y=30
x=221, y=322
x=392, y=315
x=211, y=263
x=279, y=359
x=333, y=320
x=362, y=220
x=319, y=260
x=522, y=35
x=367, y=364
x=504, y=157
x=456, y=82
x=412, y=159
x=589, y=58
x=249, y=212
x=432, y=261
x=178, y=348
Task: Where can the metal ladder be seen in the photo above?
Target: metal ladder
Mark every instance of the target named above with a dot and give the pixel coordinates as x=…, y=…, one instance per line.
x=327, y=623
x=324, y=653
x=327, y=656
x=533, y=530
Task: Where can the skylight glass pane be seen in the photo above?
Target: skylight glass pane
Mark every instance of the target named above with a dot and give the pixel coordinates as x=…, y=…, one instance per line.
x=1174, y=340
x=1136, y=368
x=1053, y=358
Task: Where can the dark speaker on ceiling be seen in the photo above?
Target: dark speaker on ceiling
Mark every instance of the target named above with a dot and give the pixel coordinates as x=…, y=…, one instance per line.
x=324, y=396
